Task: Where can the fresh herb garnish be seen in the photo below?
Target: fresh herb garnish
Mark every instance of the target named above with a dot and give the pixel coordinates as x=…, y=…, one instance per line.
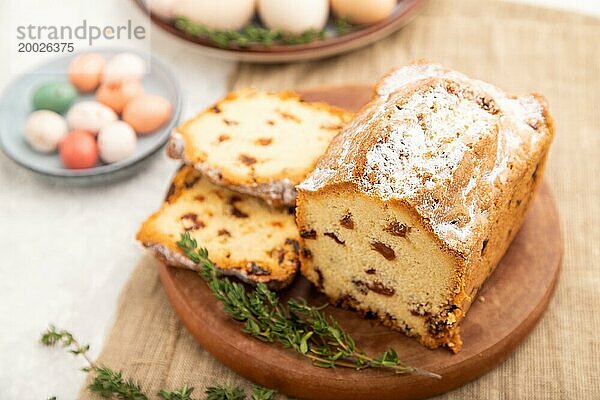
x=262, y=393
x=296, y=325
x=185, y=393
x=107, y=383
x=254, y=34
x=110, y=384
x=224, y=393
x=342, y=26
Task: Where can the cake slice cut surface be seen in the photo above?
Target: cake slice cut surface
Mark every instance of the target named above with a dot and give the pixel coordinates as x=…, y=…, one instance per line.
x=259, y=143
x=244, y=237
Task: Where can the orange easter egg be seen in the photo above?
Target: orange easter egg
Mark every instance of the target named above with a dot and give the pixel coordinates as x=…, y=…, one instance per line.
x=146, y=113
x=116, y=94
x=85, y=71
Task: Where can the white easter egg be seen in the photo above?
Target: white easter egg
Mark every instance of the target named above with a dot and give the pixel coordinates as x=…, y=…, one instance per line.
x=90, y=116
x=44, y=130
x=116, y=142
x=294, y=16
x=124, y=66
x=221, y=15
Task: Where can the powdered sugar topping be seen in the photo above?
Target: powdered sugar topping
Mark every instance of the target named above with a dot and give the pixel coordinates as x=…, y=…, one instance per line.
x=432, y=131
x=439, y=140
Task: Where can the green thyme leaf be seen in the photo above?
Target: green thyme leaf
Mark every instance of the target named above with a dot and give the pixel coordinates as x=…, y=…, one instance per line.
x=110, y=384
x=342, y=26
x=224, y=393
x=52, y=337
x=262, y=393
x=295, y=324
x=254, y=34
x=184, y=393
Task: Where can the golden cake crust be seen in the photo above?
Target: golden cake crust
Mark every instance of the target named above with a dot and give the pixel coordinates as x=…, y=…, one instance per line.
x=458, y=154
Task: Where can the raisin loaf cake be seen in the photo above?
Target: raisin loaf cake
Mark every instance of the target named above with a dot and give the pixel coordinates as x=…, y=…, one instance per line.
x=244, y=237
x=416, y=201
x=258, y=143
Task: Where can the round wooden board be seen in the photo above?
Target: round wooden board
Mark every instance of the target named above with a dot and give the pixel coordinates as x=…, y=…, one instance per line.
x=506, y=310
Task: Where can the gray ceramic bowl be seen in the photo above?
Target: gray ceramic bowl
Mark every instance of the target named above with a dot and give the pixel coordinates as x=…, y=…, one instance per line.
x=15, y=106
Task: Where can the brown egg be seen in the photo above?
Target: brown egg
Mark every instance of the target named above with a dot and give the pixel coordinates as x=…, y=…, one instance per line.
x=85, y=71
x=116, y=94
x=362, y=12
x=147, y=113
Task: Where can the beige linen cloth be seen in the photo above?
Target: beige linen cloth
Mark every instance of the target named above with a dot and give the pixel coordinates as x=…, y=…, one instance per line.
x=517, y=47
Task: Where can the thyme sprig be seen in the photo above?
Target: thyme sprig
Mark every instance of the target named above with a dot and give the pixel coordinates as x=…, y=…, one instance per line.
x=262, y=393
x=184, y=393
x=106, y=383
x=254, y=34
x=235, y=393
x=295, y=324
x=224, y=393
x=110, y=384
x=52, y=336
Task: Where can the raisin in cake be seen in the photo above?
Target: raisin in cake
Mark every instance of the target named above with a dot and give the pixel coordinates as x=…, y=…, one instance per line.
x=244, y=237
x=416, y=201
x=258, y=143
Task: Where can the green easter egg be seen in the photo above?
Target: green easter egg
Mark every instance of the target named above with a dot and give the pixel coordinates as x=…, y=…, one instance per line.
x=54, y=96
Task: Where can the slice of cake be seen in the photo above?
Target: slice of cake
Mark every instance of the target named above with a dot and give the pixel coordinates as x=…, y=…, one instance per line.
x=258, y=143
x=243, y=236
x=416, y=201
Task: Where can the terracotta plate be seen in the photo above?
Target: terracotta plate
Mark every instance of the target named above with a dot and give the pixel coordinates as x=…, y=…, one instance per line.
x=405, y=9
x=508, y=307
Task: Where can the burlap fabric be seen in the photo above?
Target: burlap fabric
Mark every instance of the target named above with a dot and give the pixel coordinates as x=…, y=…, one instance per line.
x=520, y=49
